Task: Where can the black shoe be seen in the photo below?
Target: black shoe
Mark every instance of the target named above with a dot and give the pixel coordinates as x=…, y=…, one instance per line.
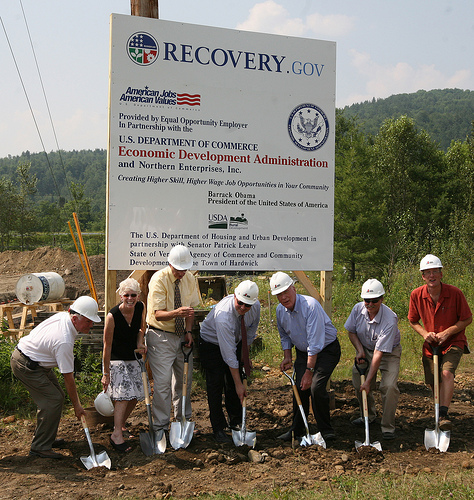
x=222, y=437
x=287, y=436
x=46, y=454
x=360, y=422
x=329, y=436
x=388, y=435
x=58, y=443
x=235, y=427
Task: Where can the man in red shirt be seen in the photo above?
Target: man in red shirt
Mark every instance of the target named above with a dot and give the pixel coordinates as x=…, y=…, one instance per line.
x=445, y=314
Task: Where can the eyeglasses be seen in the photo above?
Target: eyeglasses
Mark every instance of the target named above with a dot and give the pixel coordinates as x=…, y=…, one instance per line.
x=244, y=304
x=372, y=301
x=133, y=295
x=430, y=272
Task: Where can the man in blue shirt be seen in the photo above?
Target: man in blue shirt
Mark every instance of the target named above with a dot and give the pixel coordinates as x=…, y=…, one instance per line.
x=220, y=349
x=302, y=323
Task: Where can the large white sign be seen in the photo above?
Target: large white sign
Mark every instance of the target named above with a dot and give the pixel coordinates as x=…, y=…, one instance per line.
x=223, y=141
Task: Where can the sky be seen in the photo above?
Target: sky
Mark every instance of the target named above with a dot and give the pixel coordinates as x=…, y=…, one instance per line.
x=384, y=47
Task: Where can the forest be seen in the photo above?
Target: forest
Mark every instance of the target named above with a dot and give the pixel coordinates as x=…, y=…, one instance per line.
x=403, y=186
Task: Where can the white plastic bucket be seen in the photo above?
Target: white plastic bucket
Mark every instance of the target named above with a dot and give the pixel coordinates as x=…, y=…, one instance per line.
x=36, y=287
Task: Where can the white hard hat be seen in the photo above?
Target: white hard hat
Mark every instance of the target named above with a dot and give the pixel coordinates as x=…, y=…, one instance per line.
x=430, y=262
x=372, y=289
x=180, y=258
x=103, y=404
x=86, y=306
x=247, y=292
x=280, y=282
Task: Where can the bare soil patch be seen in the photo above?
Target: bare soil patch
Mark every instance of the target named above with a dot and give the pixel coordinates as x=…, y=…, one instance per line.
x=208, y=467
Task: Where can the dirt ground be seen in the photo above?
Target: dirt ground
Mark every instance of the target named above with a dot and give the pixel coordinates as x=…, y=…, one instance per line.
x=208, y=467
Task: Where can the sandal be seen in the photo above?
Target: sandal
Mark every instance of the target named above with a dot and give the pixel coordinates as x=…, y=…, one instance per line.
x=122, y=447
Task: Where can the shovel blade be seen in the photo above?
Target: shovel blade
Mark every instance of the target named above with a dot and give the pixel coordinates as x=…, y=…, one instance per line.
x=318, y=439
x=181, y=434
x=311, y=439
x=244, y=437
x=375, y=445
x=437, y=439
x=101, y=460
x=152, y=444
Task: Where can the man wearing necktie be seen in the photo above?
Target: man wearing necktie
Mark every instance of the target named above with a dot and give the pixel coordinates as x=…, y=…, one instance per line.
x=228, y=330
x=302, y=323
x=172, y=295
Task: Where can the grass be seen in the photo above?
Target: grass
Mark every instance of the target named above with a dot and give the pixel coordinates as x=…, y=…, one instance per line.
x=421, y=486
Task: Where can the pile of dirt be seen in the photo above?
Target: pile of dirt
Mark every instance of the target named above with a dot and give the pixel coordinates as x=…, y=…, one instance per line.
x=14, y=264
x=208, y=467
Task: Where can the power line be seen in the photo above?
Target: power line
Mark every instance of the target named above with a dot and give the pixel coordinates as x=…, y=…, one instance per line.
x=30, y=107
x=47, y=104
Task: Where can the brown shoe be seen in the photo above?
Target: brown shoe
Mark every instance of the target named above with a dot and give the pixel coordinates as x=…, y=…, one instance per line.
x=445, y=424
x=46, y=454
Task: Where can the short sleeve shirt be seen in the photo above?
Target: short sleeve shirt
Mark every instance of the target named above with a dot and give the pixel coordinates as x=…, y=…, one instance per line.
x=451, y=307
x=380, y=333
x=161, y=296
x=51, y=343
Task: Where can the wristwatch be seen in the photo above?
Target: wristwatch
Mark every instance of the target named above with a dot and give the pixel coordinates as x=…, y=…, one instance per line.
x=310, y=369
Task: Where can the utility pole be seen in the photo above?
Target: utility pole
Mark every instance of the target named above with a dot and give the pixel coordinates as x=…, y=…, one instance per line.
x=144, y=8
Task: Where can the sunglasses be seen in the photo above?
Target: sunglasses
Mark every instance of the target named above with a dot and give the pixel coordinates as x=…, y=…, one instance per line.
x=244, y=304
x=133, y=295
x=371, y=301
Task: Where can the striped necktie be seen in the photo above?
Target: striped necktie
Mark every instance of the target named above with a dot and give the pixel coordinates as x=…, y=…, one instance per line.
x=178, y=321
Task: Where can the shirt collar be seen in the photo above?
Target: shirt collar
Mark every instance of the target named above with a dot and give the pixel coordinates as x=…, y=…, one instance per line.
x=377, y=317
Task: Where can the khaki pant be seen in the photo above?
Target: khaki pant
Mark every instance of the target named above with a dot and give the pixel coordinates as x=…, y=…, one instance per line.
x=46, y=392
x=167, y=366
x=389, y=368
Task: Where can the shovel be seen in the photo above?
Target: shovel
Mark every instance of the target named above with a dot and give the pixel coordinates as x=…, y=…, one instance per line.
x=244, y=436
x=436, y=438
x=150, y=443
x=181, y=433
x=309, y=439
x=93, y=460
x=362, y=368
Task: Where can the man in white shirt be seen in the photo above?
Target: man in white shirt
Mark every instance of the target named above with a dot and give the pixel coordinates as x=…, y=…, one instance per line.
x=373, y=331
x=51, y=345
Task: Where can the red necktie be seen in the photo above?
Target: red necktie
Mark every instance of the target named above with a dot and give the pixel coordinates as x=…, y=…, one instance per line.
x=245, y=347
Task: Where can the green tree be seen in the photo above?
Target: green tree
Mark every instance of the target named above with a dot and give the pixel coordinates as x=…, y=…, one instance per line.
x=410, y=168
x=26, y=222
x=8, y=212
x=359, y=232
x=460, y=172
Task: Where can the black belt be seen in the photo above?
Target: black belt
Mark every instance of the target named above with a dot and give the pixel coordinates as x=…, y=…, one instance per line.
x=32, y=365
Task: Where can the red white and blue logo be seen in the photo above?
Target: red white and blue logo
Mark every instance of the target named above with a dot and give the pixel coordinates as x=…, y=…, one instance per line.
x=142, y=48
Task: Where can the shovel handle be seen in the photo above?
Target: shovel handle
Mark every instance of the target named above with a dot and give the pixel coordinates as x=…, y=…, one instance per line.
x=141, y=362
x=84, y=422
x=244, y=401
x=186, y=354
x=293, y=386
x=361, y=367
x=435, y=350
